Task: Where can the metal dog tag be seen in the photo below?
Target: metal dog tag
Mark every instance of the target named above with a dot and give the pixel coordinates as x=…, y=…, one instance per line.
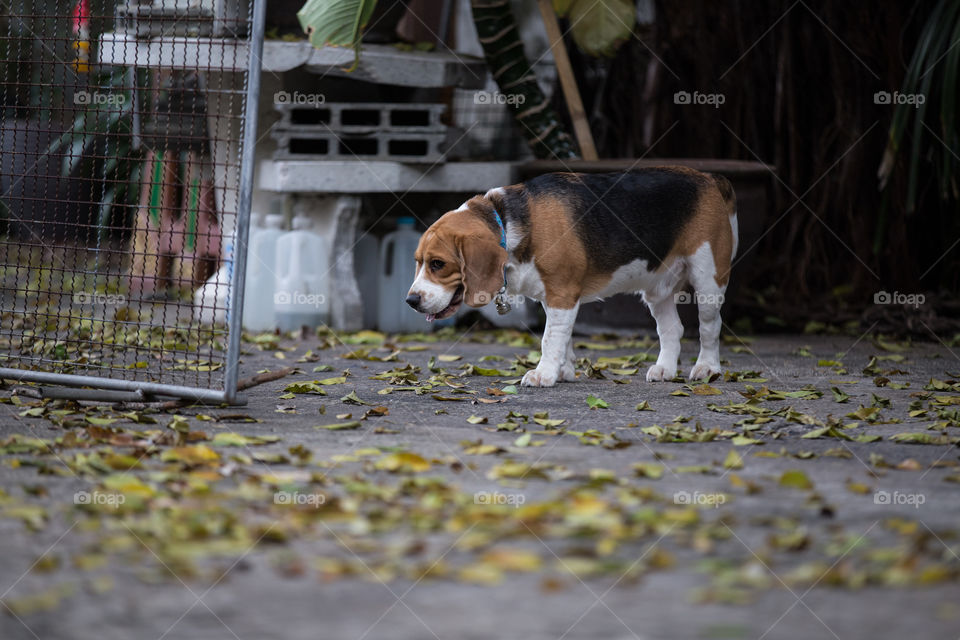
x=502, y=305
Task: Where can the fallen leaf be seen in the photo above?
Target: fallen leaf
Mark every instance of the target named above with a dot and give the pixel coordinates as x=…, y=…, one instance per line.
x=795, y=479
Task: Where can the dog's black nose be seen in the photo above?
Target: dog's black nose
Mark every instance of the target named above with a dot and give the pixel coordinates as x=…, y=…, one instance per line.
x=414, y=300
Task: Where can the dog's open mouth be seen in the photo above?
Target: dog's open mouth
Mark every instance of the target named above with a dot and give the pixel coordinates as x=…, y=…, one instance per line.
x=450, y=309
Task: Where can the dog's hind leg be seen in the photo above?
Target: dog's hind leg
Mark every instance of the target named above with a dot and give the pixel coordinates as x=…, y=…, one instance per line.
x=568, y=372
x=709, y=297
x=669, y=330
x=554, y=348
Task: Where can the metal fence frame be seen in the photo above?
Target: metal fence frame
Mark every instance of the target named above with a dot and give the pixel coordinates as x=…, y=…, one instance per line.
x=113, y=389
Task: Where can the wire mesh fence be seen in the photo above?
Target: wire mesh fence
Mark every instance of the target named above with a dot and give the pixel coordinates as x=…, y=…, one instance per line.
x=125, y=175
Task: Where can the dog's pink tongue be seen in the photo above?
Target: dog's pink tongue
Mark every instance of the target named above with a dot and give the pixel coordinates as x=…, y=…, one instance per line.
x=431, y=317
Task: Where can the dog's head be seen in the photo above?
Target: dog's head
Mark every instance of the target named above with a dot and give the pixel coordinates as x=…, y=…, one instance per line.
x=459, y=259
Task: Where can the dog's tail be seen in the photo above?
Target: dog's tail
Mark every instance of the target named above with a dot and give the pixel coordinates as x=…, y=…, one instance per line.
x=730, y=204
x=726, y=191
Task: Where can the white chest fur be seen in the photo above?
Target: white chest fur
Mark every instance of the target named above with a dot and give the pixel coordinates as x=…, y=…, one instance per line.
x=524, y=279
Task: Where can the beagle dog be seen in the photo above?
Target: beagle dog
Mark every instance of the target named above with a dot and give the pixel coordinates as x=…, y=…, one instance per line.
x=569, y=238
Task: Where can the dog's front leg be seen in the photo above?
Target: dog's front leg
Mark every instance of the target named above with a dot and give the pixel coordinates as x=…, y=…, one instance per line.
x=553, y=348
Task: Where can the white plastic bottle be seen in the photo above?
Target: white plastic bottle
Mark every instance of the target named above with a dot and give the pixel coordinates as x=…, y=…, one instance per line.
x=258, y=314
x=366, y=269
x=301, y=295
x=396, y=273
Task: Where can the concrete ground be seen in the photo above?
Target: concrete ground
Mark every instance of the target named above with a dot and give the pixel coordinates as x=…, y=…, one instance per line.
x=723, y=511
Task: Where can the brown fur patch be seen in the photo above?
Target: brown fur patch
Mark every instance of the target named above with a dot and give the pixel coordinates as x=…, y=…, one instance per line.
x=710, y=223
x=559, y=255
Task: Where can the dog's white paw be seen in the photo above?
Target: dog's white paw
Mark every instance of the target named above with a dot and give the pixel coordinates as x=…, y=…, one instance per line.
x=703, y=370
x=538, y=378
x=568, y=372
x=659, y=373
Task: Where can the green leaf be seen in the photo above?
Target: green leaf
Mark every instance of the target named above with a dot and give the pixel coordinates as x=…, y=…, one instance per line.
x=312, y=386
x=733, y=460
x=597, y=403
x=335, y=22
x=238, y=440
x=838, y=395
x=648, y=470
x=340, y=426
x=600, y=26
x=352, y=398
x=795, y=479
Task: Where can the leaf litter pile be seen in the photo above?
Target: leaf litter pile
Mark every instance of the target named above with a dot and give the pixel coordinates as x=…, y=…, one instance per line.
x=420, y=457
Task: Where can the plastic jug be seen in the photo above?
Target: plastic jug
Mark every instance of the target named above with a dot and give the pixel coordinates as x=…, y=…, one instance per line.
x=396, y=274
x=366, y=269
x=258, y=313
x=301, y=296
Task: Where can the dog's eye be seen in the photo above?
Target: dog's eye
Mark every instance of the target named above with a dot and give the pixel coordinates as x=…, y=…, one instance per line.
x=436, y=265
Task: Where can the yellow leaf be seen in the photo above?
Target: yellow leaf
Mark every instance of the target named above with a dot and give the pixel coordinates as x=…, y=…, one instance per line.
x=733, y=460
x=512, y=559
x=196, y=454
x=402, y=462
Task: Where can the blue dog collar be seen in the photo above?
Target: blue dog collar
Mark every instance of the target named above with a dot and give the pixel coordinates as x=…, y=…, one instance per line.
x=502, y=305
x=503, y=231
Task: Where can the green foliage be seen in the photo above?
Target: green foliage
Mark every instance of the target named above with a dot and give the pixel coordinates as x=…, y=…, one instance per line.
x=598, y=27
x=117, y=163
x=934, y=139
x=336, y=22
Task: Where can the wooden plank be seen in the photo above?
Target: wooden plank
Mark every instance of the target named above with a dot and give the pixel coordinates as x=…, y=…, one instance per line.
x=710, y=165
x=581, y=127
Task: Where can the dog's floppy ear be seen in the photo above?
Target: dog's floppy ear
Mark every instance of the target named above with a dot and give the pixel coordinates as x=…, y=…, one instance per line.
x=482, y=269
